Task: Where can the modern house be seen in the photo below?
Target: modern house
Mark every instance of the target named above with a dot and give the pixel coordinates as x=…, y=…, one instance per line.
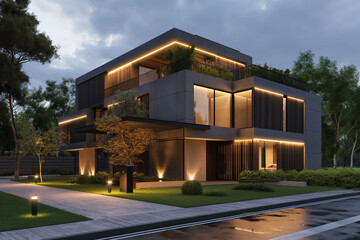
x=223, y=116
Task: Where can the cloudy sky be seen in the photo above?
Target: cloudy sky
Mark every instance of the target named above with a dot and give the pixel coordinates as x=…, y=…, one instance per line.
x=93, y=32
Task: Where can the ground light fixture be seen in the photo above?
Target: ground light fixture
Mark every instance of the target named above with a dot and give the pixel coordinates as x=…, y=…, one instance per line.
x=36, y=178
x=109, y=183
x=34, y=205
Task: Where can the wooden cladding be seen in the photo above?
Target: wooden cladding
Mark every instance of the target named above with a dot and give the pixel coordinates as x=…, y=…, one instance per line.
x=73, y=137
x=290, y=156
x=225, y=160
x=90, y=93
x=268, y=110
x=295, y=115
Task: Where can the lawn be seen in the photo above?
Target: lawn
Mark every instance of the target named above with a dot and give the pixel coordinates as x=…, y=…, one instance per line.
x=16, y=214
x=174, y=197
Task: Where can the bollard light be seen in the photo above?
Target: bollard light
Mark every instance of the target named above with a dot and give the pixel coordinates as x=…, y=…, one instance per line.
x=109, y=186
x=34, y=205
x=36, y=177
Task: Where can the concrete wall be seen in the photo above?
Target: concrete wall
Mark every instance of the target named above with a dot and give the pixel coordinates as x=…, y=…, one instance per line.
x=87, y=162
x=195, y=160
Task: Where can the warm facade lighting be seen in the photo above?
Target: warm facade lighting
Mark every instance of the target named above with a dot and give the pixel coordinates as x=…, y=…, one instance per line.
x=279, y=141
x=268, y=140
x=242, y=140
x=271, y=92
x=191, y=177
x=82, y=172
x=296, y=99
x=73, y=119
x=34, y=205
x=168, y=45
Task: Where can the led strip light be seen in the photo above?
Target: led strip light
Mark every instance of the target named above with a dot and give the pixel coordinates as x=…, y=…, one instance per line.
x=73, y=119
x=269, y=140
x=168, y=45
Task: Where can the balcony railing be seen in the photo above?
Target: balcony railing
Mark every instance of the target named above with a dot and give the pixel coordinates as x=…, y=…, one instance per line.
x=132, y=83
x=216, y=71
x=255, y=70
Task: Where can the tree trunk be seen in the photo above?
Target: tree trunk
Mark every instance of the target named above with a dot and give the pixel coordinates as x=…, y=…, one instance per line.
x=334, y=160
x=17, y=161
x=40, y=165
x=353, y=150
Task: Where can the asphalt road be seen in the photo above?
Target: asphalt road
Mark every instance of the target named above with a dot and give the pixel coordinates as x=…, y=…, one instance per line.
x=332, y=220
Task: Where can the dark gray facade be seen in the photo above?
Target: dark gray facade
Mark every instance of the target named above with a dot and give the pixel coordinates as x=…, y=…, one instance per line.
x=171, y=98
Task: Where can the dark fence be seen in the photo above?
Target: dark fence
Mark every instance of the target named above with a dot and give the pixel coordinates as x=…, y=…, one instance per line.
x=27, y=164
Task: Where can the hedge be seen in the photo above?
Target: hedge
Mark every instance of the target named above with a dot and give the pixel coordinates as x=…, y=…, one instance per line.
x=344, y=177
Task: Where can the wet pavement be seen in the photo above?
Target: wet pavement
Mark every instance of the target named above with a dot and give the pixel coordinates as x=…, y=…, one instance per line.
x=332, y=220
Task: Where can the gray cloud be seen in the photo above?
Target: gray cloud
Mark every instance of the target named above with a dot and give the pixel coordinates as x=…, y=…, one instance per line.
x=93, y=32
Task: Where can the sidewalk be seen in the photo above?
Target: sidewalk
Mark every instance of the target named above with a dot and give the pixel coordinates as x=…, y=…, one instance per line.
x=109, y=213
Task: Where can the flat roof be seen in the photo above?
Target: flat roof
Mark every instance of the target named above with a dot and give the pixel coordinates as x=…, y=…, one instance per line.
x=173, y=34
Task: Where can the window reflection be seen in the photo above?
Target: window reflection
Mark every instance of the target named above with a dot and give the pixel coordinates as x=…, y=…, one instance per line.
x=243, y=109
x=203, y=105
x=267, y=155
x=222, y=109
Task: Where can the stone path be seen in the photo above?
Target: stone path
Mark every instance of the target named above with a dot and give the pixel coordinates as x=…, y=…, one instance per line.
x=113, y=213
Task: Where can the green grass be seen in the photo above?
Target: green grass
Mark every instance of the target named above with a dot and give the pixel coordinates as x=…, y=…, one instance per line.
x=174, y=197
x=16, y=214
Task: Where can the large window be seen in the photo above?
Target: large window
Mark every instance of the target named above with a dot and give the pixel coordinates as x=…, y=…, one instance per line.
x=203, y=105
x=212, y=107
x=222, y=109
x=243, y=109
x=267, y=155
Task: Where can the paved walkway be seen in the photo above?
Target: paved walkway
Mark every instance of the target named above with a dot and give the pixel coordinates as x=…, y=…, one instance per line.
x=94, y=206
x=113, y=213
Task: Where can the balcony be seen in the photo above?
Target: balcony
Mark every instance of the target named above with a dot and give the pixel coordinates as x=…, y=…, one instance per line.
x=212, y=70
x=255, y=70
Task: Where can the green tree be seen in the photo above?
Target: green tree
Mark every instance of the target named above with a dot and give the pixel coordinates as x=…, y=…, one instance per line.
x=334, y=86
x=20, y=42
x=7, y=138
x=45, y=106
x=180, y=58
x=127, y=104
x=39, y=143
x=124, y=144
x=352, y=127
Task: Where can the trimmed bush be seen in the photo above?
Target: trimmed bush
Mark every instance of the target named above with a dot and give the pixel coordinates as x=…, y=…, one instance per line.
x=192, y=188
x=214, y=194
x=99, y=178
x=258, y=187
x=344, y=177
x=83, y=179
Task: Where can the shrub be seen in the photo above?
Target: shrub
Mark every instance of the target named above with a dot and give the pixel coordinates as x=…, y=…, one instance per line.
x=259, y=187
x=83, y=179
x=192, y=188
x=73, y=180
x=99, y=178
x=214, y=194
x=322, y=177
